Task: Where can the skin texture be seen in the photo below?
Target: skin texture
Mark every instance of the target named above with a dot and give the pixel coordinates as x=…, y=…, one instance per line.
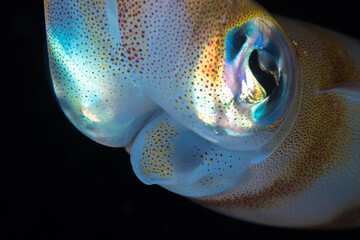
x=156, y=77
x=306, y=170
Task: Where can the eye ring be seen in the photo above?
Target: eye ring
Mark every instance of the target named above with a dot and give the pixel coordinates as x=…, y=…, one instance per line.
x=264, y=71
x=260, y=88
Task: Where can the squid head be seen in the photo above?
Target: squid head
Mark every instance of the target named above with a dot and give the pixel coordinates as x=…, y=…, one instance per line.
x=251, y=115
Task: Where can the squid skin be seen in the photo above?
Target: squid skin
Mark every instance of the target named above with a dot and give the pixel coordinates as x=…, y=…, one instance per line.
x=174, y=82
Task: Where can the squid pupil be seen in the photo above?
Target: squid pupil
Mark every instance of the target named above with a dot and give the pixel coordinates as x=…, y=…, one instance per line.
x=265, y=79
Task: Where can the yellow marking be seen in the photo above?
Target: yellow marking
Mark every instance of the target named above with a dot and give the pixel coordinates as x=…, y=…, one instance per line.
x=157, y=150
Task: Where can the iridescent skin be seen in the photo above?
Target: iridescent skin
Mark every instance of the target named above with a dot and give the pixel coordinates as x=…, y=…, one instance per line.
x=174, y=82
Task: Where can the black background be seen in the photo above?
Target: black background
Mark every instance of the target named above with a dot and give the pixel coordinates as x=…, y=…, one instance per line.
x=57, y=184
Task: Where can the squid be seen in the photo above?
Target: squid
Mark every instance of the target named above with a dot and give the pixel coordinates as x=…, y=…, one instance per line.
x=252, y=115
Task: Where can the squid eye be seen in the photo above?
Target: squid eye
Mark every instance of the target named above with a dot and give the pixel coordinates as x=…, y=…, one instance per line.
x=262, y=64
x=254, y=55
x=259, y=69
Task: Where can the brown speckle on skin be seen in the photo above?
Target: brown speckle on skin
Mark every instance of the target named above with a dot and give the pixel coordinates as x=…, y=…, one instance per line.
x=315, y=145
x=349, y=218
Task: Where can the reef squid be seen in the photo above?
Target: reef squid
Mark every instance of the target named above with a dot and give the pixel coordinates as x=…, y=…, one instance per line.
x=255, y=116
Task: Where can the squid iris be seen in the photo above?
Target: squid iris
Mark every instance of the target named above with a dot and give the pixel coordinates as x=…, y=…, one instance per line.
x=253, y=116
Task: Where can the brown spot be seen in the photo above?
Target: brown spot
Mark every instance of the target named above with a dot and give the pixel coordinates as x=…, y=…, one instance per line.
x=315, y=146
x=311, y=149
x=329, y=52
x=336, y=68
x=347, y=219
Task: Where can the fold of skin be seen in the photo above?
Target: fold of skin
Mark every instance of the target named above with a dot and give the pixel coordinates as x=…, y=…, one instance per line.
x=159, y=78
